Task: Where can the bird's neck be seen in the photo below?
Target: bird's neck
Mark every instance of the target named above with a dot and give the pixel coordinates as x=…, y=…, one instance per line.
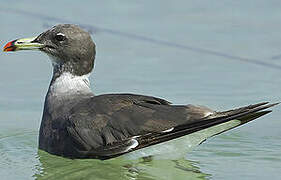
x=66, y=87
x=67, y=84
x=64, y=92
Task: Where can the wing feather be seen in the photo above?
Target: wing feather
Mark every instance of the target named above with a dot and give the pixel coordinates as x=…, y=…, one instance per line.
x=110, y=125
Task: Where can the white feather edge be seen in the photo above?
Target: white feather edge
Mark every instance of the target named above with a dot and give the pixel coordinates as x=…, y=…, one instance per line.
x=179, y=147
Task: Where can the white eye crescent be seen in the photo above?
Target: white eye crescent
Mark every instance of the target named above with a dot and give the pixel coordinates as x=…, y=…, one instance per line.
x=60, y=37
x=60, y=34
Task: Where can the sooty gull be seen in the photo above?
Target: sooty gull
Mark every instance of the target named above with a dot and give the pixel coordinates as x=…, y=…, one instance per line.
x=78, y=124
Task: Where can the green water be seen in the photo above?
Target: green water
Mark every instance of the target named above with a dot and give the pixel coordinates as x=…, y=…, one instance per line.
x=222, y=54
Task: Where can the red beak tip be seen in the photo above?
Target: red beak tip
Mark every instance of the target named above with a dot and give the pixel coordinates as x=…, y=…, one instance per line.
x=10, y=46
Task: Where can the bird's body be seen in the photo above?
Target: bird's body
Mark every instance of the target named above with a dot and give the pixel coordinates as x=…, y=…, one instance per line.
x=72, y=111
x=78, y=124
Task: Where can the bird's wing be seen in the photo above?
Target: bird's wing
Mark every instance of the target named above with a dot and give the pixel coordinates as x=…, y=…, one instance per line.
x=119, y=123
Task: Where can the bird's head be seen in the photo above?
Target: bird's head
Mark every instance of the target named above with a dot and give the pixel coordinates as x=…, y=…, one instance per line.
x=70, y=47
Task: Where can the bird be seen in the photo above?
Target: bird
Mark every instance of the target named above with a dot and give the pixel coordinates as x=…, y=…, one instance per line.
x=78, y=124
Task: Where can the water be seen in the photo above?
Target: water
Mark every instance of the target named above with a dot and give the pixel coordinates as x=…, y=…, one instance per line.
x=220, y=54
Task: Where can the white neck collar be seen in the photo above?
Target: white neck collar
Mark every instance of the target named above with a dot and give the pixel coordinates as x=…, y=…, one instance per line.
x=69, y=84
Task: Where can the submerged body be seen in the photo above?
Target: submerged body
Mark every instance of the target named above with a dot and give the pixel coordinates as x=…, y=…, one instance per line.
x=78, y=124
x=73, y=118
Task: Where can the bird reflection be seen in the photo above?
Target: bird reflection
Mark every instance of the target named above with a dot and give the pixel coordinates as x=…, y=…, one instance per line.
x=146, y=168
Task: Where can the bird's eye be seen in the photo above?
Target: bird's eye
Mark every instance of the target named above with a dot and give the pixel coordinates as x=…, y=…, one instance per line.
x=60, y=37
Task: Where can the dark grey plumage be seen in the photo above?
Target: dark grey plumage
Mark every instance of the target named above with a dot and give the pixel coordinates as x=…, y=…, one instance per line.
x=104, y=126
x=72, y=48
x=78, y=124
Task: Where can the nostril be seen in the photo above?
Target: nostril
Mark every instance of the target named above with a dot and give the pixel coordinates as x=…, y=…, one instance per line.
x=34, y=41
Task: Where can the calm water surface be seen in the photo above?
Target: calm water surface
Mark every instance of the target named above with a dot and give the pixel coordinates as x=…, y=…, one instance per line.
x=221, y=54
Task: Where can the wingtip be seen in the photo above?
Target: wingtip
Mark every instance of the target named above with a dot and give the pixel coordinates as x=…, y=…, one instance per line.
x=274, y=104
x=263, y=107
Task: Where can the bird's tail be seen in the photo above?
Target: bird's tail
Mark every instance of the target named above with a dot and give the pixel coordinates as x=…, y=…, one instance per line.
x=242, y=115
x=218, y=122
x=184, y=138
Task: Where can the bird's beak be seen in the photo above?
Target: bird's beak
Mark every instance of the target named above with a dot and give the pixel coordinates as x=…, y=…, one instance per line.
x=23, y=44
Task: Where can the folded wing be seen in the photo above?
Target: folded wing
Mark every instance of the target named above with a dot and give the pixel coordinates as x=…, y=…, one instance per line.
x=119, y=123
